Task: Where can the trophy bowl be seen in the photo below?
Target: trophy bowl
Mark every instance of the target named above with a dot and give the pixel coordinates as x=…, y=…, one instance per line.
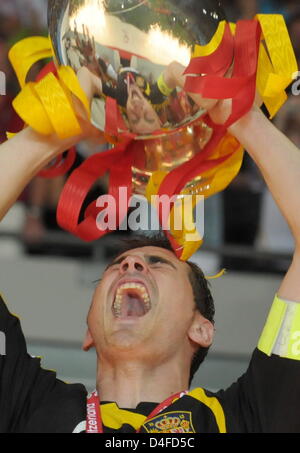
x=130, y=57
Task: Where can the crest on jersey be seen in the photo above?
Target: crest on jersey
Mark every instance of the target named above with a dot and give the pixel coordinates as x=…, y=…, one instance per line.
x=170, y=422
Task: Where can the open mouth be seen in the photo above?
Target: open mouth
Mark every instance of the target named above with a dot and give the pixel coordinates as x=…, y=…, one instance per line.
x=131, y=301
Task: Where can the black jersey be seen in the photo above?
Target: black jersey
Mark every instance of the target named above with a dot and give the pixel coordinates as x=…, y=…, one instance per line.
x=265, y=399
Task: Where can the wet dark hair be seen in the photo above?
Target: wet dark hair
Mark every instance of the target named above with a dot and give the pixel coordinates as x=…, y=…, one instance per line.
x=202, y=295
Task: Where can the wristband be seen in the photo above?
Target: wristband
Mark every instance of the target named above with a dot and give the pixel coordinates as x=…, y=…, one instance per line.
x=163, y=87
x=281, y=334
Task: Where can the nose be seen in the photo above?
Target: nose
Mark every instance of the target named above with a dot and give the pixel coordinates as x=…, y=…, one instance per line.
x=133, y=264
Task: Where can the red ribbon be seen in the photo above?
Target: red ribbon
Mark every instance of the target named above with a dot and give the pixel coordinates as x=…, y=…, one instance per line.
x=247, y=41
x=177, y=179
x=216, y=63
x=60, y=166
x=241, y=87
x=94, y=423
x=243, y=49
x=246, y=63
x=50, y=67
x=118, y=162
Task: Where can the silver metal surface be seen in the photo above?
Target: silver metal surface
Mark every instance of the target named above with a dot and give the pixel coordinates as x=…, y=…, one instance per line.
x=134, y=51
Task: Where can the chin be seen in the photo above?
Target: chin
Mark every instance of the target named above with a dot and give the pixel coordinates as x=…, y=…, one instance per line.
x=126, y=340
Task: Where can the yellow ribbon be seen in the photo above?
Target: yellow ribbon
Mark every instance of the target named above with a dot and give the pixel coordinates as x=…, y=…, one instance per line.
x=276, y=65
x=26, y=53
x=180, y=221
x=211, y=182
x=10, y=135
x=211, y=47
x=47, y=105
x=214, y=277
x=183, y=227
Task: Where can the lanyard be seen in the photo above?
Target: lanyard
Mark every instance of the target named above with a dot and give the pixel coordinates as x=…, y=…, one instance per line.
x=94, y=420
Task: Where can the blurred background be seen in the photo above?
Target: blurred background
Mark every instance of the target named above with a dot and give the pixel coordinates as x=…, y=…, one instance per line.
x=46, y=276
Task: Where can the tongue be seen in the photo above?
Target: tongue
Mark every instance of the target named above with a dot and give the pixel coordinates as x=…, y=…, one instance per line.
x=132, y=306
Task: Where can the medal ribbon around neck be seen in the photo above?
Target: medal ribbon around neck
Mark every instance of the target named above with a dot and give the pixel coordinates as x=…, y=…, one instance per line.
x=94, y=420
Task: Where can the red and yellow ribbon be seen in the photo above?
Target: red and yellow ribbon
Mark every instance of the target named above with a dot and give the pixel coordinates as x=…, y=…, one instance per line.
x=263, y=59
x=46, y=105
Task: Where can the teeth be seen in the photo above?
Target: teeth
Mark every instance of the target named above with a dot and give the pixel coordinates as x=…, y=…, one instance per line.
x=118, y=299
x=137, y=286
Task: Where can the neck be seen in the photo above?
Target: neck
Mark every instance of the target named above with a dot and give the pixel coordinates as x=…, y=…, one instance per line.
x=130, y=383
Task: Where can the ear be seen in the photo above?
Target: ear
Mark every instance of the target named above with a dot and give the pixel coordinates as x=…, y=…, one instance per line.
x=201, y=331
x=88, y=341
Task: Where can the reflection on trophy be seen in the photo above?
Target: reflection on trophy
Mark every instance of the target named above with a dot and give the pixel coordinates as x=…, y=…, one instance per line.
x=130, y=57
x=154, y=71
x=134, y=52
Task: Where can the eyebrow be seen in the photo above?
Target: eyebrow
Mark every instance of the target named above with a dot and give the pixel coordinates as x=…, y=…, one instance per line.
x=147, y=257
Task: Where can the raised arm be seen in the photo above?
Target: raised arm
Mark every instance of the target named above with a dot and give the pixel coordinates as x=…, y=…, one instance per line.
x=90, y=83
x=174, y=78
x=28, y=152
x=276, y=156
x=24, y=155
x=279, y=162
x=21, y=158
x=265, y=399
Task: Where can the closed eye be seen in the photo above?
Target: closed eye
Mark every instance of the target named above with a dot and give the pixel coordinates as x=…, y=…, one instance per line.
x=153, y=259
x=150, y=259
x=149, y=119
